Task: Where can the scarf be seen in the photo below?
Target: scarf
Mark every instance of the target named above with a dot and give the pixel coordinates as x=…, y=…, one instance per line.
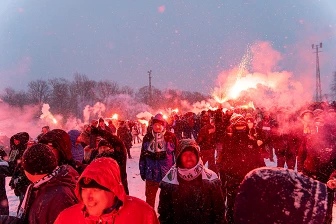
x=23, y=210
x=189, y=174
x=158, y=143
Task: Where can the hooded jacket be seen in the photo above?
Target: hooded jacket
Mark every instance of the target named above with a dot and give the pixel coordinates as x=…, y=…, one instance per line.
x=198, y=200
x=60, y=140
x=19, y=181
x=52, y=197
x=105, y=171
x=77, y=150
x=119, y=154
x=16, y=151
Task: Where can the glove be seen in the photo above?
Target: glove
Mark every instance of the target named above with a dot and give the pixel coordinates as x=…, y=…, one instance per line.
x=143, y=177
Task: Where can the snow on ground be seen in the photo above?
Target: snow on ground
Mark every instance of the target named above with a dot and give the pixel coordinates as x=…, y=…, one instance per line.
x=135, y=184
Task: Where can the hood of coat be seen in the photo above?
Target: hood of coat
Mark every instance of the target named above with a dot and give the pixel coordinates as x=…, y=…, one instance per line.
x=23, y=137
x=106, y=172
x=59, y=140
x=186, y=145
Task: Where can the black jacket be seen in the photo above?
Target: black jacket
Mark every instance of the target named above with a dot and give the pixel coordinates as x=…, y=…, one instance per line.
x=196, y=201
x=119, y=154
x=317, y=155
x=125, y=135
x=52, y=197
x=16, y=151
x=240, y=155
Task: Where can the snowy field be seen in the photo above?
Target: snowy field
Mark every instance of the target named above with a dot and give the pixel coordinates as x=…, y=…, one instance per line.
x=135, y=184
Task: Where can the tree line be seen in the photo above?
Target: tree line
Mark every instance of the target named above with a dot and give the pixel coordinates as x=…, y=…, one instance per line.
x=69, y=97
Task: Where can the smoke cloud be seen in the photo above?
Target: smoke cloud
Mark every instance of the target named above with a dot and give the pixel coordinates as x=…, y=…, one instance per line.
x=264, y=83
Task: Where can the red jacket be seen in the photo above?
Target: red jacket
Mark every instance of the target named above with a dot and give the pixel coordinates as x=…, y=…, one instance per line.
x=105, y=171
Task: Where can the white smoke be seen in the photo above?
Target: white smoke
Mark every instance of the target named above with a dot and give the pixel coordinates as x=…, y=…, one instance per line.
x=47, y=115
x=15, y=119
x=95, y=111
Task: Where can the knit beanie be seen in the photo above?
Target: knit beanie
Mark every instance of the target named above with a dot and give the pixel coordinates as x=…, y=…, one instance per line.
x=39, y=159
x=186, y=145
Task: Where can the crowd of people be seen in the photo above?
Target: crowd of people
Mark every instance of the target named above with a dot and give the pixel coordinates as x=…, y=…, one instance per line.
x=198, y=162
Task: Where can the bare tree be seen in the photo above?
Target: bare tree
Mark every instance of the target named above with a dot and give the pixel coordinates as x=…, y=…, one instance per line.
x=127, y=90
x=38, y=91
x=59, y=97
x=105, y=89
x=14, y=98
x=84, y=88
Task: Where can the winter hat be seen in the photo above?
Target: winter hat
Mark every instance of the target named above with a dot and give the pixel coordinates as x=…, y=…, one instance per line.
x=186, y=145
x=39, y=159
x=159, y=119
x=87, y=182
x=101, y=120
x=59, y=140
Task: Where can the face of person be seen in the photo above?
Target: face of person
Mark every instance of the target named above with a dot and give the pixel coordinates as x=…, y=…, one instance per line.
x=188, y=159
x=102, y=124
x=16, y=142
x=97, y=200
x=250, y=125
x=157, y=127
x=44, y=130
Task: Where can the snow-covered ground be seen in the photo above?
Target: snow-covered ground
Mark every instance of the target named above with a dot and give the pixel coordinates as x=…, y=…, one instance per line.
x=135, y=184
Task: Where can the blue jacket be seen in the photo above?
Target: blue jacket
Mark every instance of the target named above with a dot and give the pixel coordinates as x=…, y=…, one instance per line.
x=77, y=151
x=154, y=166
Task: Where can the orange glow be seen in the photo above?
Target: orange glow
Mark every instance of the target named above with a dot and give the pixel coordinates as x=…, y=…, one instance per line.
x=165, y=117
x=143, y=122
x=54, y=120
x=213, y=108
x=249, y=105
x=115, y=117
x=219, y=95
x=176, y=110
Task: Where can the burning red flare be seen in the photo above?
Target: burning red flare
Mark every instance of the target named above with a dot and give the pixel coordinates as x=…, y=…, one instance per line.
x=115, y=117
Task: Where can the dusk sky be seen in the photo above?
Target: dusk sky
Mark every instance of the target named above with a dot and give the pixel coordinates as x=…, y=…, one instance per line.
x=186, y=44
